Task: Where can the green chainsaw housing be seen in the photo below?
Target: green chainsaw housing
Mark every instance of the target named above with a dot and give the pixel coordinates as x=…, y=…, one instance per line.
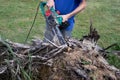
x=58, y=18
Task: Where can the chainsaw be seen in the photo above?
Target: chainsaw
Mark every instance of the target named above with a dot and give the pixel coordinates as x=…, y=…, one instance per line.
x=53, y=22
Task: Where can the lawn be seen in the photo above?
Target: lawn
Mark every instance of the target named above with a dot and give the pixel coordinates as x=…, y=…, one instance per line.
x=16, y=17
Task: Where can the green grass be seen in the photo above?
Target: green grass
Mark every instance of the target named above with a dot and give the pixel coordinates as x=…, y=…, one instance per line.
x=16, y=17
x=106, y=19
x=114, y=60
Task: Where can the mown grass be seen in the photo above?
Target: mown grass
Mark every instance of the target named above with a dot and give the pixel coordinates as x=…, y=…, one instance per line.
x=105, y=16
x=114, y=60
x=16, y=17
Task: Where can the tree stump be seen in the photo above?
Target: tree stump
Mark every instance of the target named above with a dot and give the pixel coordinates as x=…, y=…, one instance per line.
x=79, y=60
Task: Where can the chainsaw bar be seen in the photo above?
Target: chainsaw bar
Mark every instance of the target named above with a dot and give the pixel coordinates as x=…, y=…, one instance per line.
x=52, y=32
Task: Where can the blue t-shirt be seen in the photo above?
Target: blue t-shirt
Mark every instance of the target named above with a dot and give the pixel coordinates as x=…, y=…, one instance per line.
x=65, y=7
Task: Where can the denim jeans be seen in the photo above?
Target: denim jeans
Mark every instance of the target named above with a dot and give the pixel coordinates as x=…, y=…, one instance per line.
x=66, y=34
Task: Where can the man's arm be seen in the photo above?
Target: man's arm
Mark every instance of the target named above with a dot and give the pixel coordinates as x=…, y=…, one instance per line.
x=81, y=6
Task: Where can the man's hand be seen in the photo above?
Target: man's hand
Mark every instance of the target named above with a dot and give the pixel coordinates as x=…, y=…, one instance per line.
x=50, y=3
x=65, y=17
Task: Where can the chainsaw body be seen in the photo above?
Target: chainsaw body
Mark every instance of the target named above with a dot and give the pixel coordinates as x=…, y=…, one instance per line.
x=57, y=18
x=53, y=22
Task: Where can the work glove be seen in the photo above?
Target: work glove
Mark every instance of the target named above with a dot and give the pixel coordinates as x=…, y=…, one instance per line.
x=64, y=25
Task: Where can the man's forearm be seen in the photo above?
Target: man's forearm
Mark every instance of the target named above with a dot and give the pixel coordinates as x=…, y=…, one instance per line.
x=78, y=9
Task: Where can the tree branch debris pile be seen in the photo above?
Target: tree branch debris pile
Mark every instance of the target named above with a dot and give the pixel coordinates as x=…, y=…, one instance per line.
x=80, y=60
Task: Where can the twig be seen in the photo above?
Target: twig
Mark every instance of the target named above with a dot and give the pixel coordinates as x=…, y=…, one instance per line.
x=51, y=52
x=52, y=43
x=55, y=54
x=110, y=46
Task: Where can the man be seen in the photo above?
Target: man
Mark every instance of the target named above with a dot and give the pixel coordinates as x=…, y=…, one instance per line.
x=68, y=9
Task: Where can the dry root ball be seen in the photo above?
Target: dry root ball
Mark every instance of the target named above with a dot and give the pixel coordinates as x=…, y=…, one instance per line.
x=79, y=65
x=79, y=60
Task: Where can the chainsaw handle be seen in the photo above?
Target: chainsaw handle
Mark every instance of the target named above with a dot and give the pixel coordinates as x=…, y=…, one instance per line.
x=42, y=6
x=58, y=17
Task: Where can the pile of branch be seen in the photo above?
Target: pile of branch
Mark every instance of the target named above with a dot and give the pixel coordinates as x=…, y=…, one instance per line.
x=79, y=60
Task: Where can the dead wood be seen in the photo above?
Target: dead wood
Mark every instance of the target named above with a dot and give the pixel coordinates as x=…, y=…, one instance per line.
x=78, y=60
